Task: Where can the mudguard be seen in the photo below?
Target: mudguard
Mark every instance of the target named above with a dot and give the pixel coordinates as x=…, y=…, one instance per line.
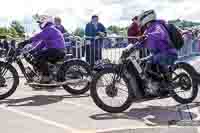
x=73, y=61
x=69, y=62
x=191, y=63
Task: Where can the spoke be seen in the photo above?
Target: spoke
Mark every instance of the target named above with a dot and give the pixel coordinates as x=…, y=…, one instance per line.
x=121, y=83
x=4, y=72
x=8, y=77
x=107, y=81
x=123, y=90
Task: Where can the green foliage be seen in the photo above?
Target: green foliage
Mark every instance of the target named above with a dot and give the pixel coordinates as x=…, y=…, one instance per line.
x=180, y=23
x=35, y=16
x=18, y=28
x=13, y=32
x=117, y=30
x=114, y=29
x=79, y=32
x=184, y=23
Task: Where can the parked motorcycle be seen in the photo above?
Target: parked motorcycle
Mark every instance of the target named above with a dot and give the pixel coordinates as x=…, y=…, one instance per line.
x=127, y=79
x=65, y=73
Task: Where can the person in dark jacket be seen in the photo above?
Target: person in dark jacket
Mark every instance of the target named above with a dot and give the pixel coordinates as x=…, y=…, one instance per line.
x=59, y=25
x=93, y=45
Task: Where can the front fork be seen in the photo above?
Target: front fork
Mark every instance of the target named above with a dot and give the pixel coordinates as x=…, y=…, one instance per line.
x=3, y=71
x=23, y=70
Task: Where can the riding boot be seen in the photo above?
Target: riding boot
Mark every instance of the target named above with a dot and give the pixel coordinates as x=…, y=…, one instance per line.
x=167, y=78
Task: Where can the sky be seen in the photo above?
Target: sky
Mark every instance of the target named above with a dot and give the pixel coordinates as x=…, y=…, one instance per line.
x=76, y=13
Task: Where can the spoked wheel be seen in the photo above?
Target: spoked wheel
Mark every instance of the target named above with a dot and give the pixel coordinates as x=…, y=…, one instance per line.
x=186, y=89
x=79, y=74
x=110, y=91
x=9, y=80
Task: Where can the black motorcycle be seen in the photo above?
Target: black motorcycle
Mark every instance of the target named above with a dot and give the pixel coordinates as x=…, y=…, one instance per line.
x=129, y=80
x=66, y=73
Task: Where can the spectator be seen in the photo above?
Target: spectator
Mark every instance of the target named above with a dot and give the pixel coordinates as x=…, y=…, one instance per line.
x=187, y=48
x=134, y=30
x=58, y=24
x=94, y=46
x=195, y=47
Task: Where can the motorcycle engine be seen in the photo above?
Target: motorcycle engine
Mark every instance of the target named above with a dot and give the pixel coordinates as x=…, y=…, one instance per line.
x=152, y=87
x=52, y=68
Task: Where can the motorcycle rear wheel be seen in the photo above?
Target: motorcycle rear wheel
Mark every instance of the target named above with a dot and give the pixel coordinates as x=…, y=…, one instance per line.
x=85, y=72
x=187, y=75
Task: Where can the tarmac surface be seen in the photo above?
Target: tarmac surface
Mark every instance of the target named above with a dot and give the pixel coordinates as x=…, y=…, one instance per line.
x=57, y=111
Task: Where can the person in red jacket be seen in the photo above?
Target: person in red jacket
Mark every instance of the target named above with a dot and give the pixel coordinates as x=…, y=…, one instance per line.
x=134, y=30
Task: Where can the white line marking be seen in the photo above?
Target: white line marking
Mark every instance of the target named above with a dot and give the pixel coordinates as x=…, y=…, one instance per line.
x=38, y=118
x=140, y=127
x=81, y=105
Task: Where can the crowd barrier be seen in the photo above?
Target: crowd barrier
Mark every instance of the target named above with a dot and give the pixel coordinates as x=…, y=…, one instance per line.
x=94, y=49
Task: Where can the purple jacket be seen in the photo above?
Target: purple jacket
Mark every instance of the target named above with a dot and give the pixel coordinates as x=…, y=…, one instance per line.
x=49, y=37
x=158, y=40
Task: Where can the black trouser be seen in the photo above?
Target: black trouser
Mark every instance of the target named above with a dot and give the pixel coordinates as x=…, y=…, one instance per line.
x=50, y=55
x=94, y=52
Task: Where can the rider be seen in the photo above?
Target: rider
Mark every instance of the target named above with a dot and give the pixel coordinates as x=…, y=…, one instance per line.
x=57, y=21
x=157, y=40
x=48, y=46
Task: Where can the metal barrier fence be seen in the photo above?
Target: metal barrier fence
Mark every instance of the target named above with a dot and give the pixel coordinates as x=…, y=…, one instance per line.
x=94, y=49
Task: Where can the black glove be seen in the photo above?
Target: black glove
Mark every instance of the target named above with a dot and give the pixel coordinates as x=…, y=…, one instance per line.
x=125, y=53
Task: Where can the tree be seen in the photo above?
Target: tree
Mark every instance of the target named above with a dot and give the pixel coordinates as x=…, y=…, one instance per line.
x=13, y=32
x=35, y=16
x=79, y=32
x=118, y=30
x=114, y=29
x=18, y=28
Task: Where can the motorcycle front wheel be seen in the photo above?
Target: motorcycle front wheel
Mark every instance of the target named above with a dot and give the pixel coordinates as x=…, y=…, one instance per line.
x=9, y=80
x=106, y=88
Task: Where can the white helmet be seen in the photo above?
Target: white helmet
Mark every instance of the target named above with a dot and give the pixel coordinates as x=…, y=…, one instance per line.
x=146, y=17
x=43, y=20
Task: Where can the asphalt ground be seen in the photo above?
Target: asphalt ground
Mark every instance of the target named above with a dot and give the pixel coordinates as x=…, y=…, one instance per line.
x=57, y=111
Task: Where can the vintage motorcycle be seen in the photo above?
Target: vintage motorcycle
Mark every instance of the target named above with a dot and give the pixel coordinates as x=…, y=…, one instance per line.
x=127, y=78
x=67, y=73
